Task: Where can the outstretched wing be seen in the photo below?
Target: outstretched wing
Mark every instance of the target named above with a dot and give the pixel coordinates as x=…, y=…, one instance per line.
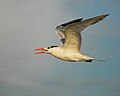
x=60, y=29
x=70, y=32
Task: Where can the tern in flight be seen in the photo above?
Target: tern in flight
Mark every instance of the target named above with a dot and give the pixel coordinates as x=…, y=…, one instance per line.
x=70, y=35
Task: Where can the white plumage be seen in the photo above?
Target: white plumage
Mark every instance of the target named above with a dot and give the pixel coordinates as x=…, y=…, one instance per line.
x=70, y=35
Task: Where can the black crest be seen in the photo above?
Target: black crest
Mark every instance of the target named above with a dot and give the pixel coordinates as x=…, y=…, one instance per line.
x=53, y=46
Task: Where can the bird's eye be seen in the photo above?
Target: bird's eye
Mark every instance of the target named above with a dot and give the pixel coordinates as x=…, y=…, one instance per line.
x=48, y=47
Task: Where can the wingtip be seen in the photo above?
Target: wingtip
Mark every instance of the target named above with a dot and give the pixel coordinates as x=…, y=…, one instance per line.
x=101, y=17
x=106, y=15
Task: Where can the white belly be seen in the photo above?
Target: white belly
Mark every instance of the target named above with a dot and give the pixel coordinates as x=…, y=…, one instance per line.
x=70, y=56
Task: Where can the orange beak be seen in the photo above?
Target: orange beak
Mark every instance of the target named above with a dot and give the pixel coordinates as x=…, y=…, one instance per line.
x=43, y=50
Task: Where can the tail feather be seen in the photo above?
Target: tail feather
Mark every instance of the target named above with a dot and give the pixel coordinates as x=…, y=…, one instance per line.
x=99, y=60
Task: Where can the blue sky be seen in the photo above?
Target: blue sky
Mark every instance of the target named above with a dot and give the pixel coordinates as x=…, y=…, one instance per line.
x=27, y=24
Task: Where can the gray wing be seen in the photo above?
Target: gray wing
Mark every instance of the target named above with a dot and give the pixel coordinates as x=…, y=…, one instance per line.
x=60, y=29
x=70, y=32
x=61, y=36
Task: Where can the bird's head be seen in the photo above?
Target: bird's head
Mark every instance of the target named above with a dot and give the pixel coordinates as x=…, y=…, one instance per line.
x=45, y=50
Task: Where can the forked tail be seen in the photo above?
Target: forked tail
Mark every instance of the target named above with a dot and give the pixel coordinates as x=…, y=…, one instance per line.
x=99, y=60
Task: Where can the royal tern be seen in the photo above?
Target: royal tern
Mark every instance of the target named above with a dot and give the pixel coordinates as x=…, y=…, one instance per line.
x=70, y=35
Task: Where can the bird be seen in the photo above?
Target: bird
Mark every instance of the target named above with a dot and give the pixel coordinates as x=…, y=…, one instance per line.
x=71, y=39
